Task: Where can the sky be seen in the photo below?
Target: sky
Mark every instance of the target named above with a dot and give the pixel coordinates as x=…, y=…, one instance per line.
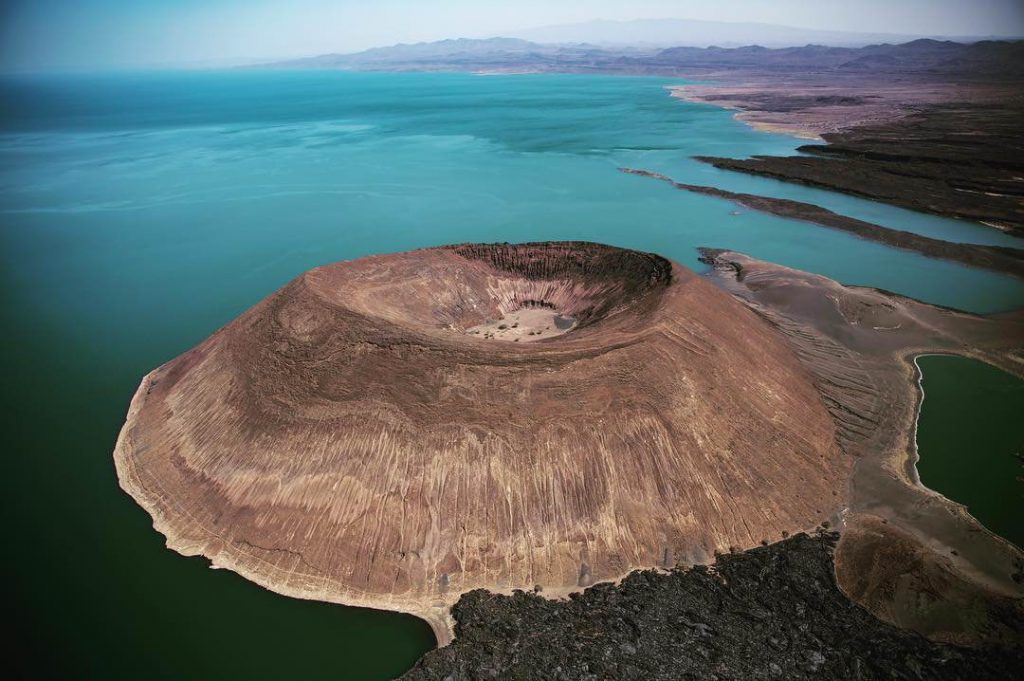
x=102, y=34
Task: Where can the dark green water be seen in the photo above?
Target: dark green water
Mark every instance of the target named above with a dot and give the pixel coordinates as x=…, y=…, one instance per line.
x=95, y=593
x=969, y=437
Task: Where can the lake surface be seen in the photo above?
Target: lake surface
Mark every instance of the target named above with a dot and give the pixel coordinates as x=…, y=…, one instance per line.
x=970, y=439
x=140, y=212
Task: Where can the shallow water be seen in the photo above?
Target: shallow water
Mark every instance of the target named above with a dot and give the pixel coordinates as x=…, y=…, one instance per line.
x=564, y=323
x=970, y=440
x=138, y=213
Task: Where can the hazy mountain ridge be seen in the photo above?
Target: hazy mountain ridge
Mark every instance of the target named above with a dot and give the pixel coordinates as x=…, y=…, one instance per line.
x=462, y=52
x=1002, y=59
x=920, y=55
x=667, y=32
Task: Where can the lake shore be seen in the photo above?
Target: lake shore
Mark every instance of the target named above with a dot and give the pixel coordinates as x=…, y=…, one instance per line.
x=949, y=149
x=146, y=210
x=899, y=538
x=405, y=516
x=774, y=610
x=996, y=258
x=982, y=393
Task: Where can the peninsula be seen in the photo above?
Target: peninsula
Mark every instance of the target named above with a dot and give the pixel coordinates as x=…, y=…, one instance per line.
x=997, y=258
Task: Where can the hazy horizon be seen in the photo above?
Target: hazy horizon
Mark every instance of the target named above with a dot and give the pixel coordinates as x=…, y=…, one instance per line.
x=118, y=34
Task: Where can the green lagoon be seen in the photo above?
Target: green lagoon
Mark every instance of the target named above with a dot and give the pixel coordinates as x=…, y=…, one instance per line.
x=140, y=212
x=970, y=440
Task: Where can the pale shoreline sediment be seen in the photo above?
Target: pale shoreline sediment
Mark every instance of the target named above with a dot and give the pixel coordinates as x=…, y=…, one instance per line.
x=861, y=343
x=916, y=453
x=760, y=121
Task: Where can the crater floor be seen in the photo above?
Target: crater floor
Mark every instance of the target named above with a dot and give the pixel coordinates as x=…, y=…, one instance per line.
x=526, y=324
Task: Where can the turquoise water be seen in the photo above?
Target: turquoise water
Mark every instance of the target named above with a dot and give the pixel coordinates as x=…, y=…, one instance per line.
x=282, y=171
x=970, y=440
x=138, y=213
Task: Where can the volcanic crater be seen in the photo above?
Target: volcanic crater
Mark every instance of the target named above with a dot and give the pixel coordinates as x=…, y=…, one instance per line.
x=369, y=435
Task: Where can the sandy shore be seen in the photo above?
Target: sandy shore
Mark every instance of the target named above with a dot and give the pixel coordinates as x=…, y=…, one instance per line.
x=810, y=107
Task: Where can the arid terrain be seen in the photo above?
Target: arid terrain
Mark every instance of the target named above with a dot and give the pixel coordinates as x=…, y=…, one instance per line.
x=944, y=594
x=772, y=612
x=927, y=127
x=908, y=554
x=347, y=440
x=958, y=159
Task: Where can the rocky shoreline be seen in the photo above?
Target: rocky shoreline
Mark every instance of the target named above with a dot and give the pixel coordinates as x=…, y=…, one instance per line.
x=774, y=612
x=959, y=160
x=908, y=554
x=911, y=587
x=996, y=258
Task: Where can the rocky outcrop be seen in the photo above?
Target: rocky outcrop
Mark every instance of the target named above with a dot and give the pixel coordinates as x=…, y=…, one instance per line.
x=960, y=160
x=911, y=556
x=770, y=613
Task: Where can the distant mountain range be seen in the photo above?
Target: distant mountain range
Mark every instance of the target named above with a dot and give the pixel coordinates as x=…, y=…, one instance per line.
x=694, y=33
x=499, y=54
x=999, y=59
x=442, y=51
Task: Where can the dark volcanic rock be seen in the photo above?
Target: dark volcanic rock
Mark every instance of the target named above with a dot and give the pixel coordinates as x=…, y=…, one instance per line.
x=998, y=258
x=962, y=161
x=773, y=612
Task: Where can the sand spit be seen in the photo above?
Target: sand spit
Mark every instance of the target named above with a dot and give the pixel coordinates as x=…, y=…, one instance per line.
x=809, y=106
x=347, y=440
x=907, y=553
x=997, y=258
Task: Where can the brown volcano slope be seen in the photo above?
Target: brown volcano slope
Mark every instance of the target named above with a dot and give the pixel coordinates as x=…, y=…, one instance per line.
x=349, y=439
x=908, y=554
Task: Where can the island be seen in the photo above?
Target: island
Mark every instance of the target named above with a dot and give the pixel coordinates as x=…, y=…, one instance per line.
x=356, y=438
